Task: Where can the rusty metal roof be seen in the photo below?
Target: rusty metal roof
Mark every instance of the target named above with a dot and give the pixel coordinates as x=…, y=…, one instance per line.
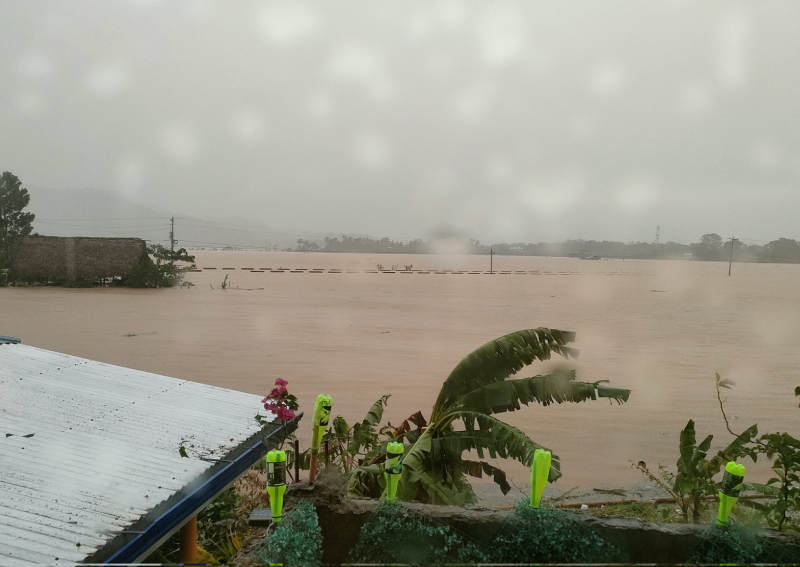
x=89, y=449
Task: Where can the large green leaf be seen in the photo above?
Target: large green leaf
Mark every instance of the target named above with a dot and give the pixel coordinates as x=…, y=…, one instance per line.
x=364, y=433
x=438, y=492
x=479, y=468
x=375, y=413
x=736, y=449
x=414, y=459
x=688, y=445
x=558, y=387
x=364, y=480
x=498, y=359
x=496, y=437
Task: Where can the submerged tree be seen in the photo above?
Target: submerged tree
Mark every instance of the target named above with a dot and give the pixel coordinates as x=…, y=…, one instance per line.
x=463, y=419
x=14, y=223
x=161, y=270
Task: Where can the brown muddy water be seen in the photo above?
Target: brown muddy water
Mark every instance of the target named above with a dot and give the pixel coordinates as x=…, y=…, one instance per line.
x=660, y=328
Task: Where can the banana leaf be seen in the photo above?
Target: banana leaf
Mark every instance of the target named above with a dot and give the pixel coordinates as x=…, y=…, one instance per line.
x=498, y=359
x=559, y=387
x=496, y=437
x=414, y=419
x=364, y=433
x=479, y=468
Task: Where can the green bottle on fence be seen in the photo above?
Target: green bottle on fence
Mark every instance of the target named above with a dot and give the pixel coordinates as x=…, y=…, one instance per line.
x=729, y=492
x=393, y=469
x=539, y=473
x=276, y=483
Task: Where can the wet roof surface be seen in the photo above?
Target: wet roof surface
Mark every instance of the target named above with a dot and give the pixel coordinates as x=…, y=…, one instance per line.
x=87, y=448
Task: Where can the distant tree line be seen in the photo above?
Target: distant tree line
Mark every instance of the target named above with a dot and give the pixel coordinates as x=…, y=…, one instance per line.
x=711, y=247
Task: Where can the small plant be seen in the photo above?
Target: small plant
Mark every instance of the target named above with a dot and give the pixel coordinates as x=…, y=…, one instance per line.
x=380, y=267
x=547, y=535
x=225, y=284
x=396, y=535
x=297, y=540
x=355, y=446
x=695, y=472
x=408, y=267
x=785, y=452
x=280, y=403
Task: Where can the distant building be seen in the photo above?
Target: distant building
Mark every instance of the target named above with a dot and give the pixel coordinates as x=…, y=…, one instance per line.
x=57, y=258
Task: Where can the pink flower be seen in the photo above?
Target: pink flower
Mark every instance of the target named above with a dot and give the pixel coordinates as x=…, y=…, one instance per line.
x=270, y=406
x=276, y=393
x=285, y=414
x=281, y=383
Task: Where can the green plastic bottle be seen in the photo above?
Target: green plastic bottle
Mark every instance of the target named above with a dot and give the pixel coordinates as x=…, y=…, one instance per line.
x=729, y=493
x=540, y=471
x=276, y=482
x=393, y=469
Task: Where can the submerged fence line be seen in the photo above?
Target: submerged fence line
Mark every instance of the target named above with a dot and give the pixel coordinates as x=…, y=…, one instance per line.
x=408, y=272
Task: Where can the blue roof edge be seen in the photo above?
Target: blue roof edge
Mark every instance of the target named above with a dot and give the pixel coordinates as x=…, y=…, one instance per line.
x=147, y=541
x=4, y=340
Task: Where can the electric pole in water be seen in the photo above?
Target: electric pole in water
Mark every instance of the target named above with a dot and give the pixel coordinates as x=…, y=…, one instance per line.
x=491, y=260
x=730, y=262
x=172, y=234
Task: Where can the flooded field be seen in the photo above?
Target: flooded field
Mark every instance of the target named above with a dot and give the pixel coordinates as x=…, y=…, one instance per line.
x=660, y=328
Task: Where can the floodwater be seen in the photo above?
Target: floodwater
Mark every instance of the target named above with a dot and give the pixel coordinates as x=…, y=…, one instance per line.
x=660, y=328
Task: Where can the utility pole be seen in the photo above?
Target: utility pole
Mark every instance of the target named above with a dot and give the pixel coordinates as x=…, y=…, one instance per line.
x=730, y=262
x=172, y=234
x=491, y=260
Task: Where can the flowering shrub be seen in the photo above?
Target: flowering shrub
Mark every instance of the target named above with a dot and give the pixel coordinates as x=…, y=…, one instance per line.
x=280, y=402
x=283, y=405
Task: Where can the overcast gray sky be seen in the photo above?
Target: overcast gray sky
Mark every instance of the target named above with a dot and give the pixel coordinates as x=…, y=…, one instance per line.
x=516, y=121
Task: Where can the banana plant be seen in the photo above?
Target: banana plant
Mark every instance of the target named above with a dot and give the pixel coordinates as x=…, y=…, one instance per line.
x=463, y=417
x=695, y=471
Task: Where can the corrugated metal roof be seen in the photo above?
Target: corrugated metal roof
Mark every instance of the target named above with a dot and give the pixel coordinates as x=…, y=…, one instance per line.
x=87, y=449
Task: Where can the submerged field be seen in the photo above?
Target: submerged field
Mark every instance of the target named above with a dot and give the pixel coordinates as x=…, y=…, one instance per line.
x=660, y=328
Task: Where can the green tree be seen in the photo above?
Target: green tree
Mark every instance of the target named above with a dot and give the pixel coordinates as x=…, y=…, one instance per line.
x=14, y=223
x=782, y=251
x=709, y=247
x=163, y=272
x=463, y=417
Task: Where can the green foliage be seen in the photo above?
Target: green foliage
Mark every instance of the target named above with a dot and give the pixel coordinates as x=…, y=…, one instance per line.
x=216, y=526
x=730, y=544
x=498, y=359
x=784, y=450
x=14, y=223
x=785, y=485
x=297, y=540
x=739, y=545
x=462, y=420
x=547, y=535
x=161, y=270
x=695, y=472
x=214, y=531
x=397, y=535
